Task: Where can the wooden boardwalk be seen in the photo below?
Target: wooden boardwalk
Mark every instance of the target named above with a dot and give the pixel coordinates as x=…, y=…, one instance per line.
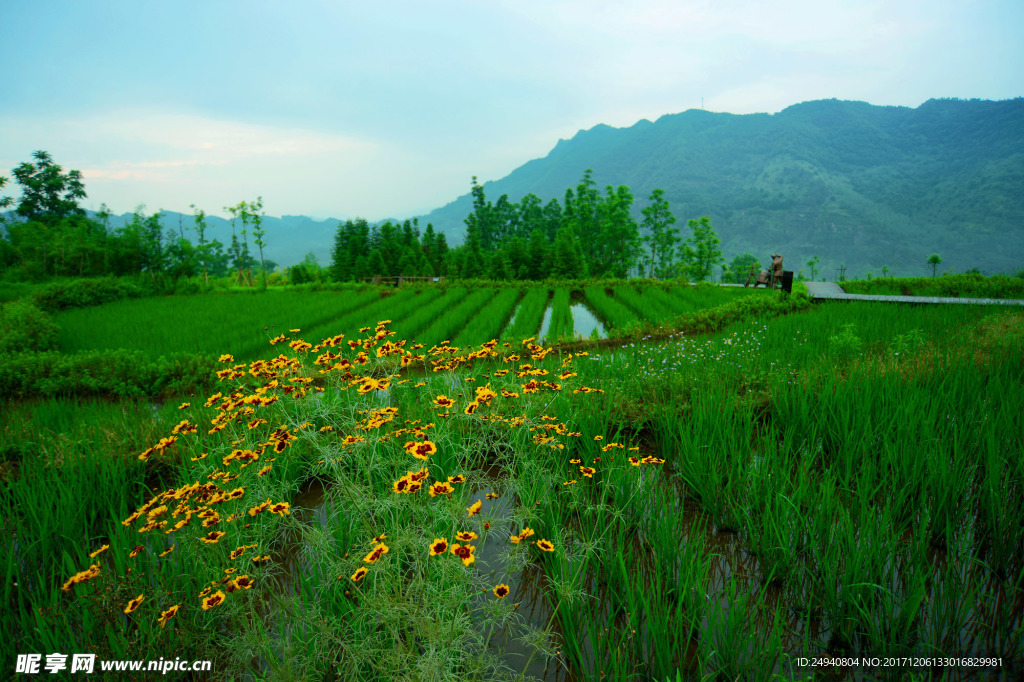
x=830, y=291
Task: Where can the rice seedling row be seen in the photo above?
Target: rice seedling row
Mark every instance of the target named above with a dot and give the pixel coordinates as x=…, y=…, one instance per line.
x=611, y=310
x=425, y=316
x=196, y=324
x=489, y=322
x=529, y=315
x=446, y=326
x=644, y=306
x=561, y=323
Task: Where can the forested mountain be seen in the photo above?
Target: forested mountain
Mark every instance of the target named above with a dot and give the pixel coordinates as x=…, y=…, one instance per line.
x=856, y=184
x=876, y=189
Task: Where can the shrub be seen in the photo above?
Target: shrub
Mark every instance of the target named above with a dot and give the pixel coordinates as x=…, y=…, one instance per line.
x=83, y=293
x=119, y=372
x=23, y=327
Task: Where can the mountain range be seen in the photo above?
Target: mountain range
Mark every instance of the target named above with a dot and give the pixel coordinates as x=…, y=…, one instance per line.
x=857, y=185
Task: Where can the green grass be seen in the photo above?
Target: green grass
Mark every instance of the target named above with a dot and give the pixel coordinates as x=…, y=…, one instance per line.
x=957, y=286
x=846, y=478
x=235, y=323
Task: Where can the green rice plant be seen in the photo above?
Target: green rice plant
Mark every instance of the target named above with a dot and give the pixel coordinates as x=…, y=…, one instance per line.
x=156, y=325
x=528, y=316
x=732, y=647
x=447, y=325
x=489, y=322
x=673, y=305
x=399, y=308
x=846, y=344
x=70, y=467
x=879, y=503
x=710, y=451
x=643, y=305
x=560, y=323
x=965, y=285
x=614, y=314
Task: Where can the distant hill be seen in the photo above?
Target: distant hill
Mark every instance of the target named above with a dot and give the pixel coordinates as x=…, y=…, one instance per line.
x=289, y=238
x=853, y=183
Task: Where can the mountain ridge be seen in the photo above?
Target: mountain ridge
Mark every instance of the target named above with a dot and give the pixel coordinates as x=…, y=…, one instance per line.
x=857, y=184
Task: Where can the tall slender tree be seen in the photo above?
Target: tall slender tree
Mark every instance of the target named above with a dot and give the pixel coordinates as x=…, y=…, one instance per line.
x=256, y=212
x=702, y=249
x=661, y=236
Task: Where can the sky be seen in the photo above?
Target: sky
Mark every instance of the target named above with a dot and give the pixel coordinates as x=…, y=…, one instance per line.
x=332, y=108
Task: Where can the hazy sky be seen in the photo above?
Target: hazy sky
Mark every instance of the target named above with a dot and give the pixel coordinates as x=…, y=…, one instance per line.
x=376, y=109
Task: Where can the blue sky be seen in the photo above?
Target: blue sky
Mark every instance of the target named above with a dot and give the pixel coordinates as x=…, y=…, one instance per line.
x=387, y=109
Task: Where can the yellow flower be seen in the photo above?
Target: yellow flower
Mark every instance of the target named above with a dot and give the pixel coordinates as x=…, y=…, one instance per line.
x=213, y=600
x=441, y=488
x=501, y=591
x=167, y=615
x=134, y=604
x=466, y=536
x=474, y=508
x=464, y=552
x=545, y=545
x=376, y=553
x=213, y=537
x=360, y=573
x=438, y=546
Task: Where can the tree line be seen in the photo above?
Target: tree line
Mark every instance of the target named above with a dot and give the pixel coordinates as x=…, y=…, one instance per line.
x=588, y=234
x=55, y=238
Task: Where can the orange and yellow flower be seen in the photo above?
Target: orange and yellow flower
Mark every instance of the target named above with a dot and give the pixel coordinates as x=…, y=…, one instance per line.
x=214, y=599
x=134, y=604
x=376, y=553
x=420, y=450
x=464, y=552
x=167, y=615
x=441, y=488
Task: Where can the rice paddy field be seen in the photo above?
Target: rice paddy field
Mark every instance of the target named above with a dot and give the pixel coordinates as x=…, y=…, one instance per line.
x=467, y=485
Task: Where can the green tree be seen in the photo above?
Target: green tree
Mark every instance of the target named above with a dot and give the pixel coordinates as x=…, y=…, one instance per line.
x=618, y=240
x=4, y=201
x=180, y=256
x=934, y=260
x=661, y=237
x=243, y=260
x=702, y=249
x=152, y=253
x=256, y=212
x=47, y=193
x=203, y=250
x=582, y=214
x=537, y=261
x=567, y=257
x=813, y=265
x=739, y=267
x=377, y=266
x=482, y=222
